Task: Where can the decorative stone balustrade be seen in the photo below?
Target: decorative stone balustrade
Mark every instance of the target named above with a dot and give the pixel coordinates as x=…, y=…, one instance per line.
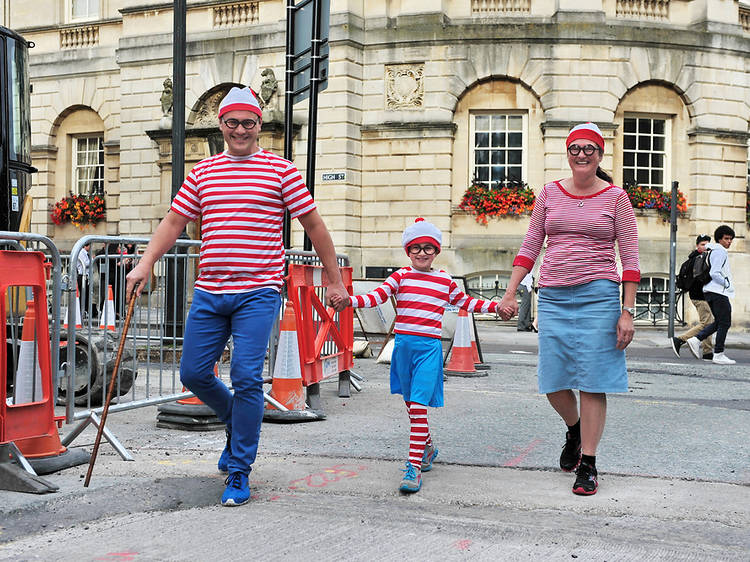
x=500, y=7
x=234, y=15
x=656, y=10
x=79, y=37
x=745, y=18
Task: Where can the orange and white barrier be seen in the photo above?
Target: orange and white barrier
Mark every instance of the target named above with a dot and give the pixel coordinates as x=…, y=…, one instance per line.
x=107, y=316
x=27, y=423
x=461, y=363
x=79, y=323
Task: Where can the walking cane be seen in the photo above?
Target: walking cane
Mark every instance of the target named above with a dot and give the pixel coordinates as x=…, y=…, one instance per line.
x=111, y=389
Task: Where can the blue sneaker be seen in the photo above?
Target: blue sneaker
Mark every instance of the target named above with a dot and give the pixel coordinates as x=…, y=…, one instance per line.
x=237, y=492
x=430, y=454
x=412, y=481
x=223, y=464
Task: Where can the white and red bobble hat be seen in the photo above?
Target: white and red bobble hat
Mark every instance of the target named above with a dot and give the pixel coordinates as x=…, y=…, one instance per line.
x=242, y=99
x=421, y=232
x=588, y=131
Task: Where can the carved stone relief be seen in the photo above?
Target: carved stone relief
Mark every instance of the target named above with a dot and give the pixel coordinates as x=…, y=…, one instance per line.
x=404, y=86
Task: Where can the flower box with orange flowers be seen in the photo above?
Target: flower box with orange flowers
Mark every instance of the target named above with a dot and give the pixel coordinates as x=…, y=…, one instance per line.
x=509, y=199
x=650, y=198
x=79, y=210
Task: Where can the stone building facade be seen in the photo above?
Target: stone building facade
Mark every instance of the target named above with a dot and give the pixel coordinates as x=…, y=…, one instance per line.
x=420, y=94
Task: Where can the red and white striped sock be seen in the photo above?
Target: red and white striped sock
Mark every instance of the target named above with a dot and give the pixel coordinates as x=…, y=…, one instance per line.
x=419, y=435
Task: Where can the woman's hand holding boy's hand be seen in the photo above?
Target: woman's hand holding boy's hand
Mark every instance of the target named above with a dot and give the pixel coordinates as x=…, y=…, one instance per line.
x=508, y=306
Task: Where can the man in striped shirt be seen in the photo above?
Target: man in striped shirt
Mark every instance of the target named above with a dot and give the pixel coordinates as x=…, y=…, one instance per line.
x=240, y=195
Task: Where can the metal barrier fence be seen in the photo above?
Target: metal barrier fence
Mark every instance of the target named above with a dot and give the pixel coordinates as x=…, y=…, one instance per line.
x=83, y=354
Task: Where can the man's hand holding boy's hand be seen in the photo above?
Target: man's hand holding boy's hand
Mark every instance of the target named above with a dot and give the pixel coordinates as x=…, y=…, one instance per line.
x=339, y=302
x=508, y=306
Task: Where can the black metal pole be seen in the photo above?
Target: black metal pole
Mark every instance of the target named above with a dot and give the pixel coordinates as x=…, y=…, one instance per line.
x=288, y=107
x=176, y=268
x=672, y=256
x=312, y=131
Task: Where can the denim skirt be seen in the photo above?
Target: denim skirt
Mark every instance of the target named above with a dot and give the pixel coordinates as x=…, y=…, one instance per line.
x=578, y=338
x=417, y=369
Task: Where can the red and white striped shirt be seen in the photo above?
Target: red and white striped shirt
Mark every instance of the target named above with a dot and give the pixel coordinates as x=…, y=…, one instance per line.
x=581, y=231
x=421, y=297
x=241, y=202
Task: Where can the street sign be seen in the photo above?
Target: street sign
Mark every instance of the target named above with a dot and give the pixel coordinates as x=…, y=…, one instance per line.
x=302, y=47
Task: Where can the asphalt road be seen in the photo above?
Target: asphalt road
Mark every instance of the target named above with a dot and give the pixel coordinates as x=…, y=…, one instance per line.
x=674, y=477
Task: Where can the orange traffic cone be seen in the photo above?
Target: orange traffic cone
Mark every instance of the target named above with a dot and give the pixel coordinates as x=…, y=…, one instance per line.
x=28, y=385
x=286, y=386
x=478, y=364
x=79, y=324
x=461, y=363
x=107, y=316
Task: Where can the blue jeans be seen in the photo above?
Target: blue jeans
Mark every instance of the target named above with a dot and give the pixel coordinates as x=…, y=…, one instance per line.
x=248, y=318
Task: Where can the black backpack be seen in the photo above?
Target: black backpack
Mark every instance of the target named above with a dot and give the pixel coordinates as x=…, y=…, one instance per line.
x=694, y=271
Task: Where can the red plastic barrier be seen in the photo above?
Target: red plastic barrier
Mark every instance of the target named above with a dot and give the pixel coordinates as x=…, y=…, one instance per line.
x=325, y=337
x=31, y=426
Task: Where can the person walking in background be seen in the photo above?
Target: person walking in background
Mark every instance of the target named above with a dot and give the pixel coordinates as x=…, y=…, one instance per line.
x=240, y=195
x=526, y=288
x=701, y=306
x=583, y=329
x=83, y=280
x=718, y=292
x=417, y=362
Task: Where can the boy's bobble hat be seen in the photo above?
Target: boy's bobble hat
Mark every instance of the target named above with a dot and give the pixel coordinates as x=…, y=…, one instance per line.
x=421, y=232
x=242, y=99
x=588, y=131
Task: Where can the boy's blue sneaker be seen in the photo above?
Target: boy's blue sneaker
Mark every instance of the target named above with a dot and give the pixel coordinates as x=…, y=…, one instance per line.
x=237, y=492
x=223, y=464
x=430, y=454
x=412, y=481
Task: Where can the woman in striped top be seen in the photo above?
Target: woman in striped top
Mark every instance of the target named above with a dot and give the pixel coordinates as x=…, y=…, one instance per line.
x=583, y=330
x=421, y=294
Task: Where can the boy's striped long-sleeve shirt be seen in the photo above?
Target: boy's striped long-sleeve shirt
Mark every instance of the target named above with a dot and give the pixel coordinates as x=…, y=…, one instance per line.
x=421, y=297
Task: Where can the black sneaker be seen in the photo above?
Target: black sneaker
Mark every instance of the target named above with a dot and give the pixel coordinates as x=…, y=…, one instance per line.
x=571, y=453
x=677, y=343
x=708, y=356
x=586, y=483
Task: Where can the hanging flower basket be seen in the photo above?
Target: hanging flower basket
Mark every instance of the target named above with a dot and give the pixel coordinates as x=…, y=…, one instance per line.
x=509, y=200
x=79, y=210
x=649, y=198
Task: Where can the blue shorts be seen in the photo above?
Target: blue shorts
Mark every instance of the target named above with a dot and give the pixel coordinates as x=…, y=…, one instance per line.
x=417, y=369
x=578, y=338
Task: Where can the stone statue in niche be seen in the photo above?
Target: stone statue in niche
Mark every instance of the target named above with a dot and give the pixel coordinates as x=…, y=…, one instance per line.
x=166, y=105
x=268, y=87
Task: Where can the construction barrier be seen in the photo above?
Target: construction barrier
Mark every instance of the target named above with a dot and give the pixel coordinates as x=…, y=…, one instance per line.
x=325, y=337
x=28, y=428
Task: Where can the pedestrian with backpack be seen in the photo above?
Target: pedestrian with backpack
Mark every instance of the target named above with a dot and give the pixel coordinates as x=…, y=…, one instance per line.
x=694, y=288
x=718, y=291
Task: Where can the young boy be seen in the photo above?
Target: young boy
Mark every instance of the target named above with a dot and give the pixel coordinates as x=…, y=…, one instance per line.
x=417, y=362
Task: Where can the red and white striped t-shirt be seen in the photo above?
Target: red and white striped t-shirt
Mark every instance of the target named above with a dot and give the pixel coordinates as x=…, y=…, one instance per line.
x=241, y=202
x=581, y=232
x=421, y=297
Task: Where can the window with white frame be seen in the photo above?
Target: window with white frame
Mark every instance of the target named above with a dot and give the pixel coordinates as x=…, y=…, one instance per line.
x=645, y=156
x=84, y=9
x=498, y=148
x=88, y=165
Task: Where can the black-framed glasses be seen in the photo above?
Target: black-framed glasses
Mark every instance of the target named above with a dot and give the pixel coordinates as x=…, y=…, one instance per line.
x=428, y=249
x=588, y=150
x=246, y=123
